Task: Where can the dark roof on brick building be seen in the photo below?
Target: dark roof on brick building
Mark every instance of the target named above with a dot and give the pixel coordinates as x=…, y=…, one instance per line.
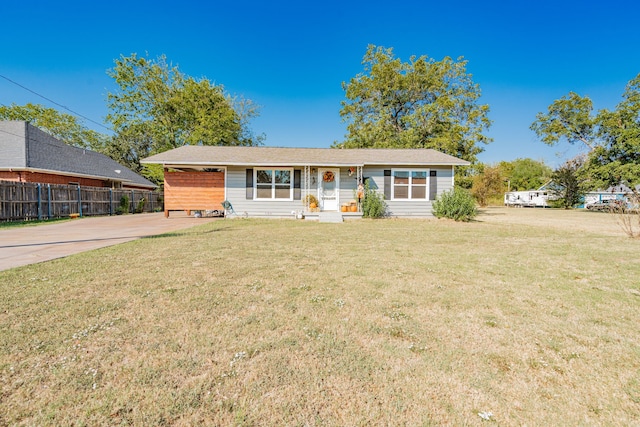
x=27, y=148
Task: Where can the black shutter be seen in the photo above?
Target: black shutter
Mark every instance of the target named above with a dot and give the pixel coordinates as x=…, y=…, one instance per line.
x=297, y=195
x=387, y=184
x=249, y=184
x=433, y=185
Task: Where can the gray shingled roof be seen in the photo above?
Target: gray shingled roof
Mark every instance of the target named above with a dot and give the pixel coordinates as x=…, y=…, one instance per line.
x=23, y=146
x=271, y=156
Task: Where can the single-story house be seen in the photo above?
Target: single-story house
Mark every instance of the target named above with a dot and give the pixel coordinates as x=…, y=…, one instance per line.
x=619, y=192
x=28, y=154
x=276, y=182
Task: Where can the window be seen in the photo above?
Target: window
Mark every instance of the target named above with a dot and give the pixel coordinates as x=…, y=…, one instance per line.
x=409, y=184
x=274, y=184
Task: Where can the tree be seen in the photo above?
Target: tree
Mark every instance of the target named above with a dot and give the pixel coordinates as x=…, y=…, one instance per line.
x=611, y=137
x=568, y=184
x=158, y=108
x=570, y=117
x=489, y=184
x=617, y=159
x=65, y=127
x=420, y=104
x=525, y=174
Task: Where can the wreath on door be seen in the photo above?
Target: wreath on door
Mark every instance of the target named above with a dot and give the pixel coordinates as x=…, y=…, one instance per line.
x=328, y=176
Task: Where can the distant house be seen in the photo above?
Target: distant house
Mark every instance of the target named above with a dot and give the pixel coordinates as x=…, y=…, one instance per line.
x=28, y=154
x=277, y=182
x=619, y=192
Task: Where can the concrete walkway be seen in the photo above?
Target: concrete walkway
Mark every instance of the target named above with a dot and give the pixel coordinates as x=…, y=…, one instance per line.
x=30, y=245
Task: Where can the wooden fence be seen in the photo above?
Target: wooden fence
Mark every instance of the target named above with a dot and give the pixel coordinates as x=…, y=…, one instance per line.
x=23, y=201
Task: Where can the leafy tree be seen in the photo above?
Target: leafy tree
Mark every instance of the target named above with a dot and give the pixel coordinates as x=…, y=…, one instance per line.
x=617, y=159
x=525, y=174
x=158, y=108
x=570, y=117
x=488, y=185
x=612, y=137
x=568, y=183
x=420, y=104
x=65, y=127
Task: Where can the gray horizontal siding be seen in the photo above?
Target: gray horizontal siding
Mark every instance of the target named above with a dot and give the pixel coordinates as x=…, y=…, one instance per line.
x=348, y=186
x=236, y=194
x=411, y=208
x=445, y=179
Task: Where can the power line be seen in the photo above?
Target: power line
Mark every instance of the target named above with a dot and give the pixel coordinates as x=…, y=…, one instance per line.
x=54, y=102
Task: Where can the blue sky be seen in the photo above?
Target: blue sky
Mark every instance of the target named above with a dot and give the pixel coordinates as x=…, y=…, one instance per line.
x=291, y=57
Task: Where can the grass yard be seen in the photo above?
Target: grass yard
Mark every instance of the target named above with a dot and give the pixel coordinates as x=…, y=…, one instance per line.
x=524, y=317
x=31, y=223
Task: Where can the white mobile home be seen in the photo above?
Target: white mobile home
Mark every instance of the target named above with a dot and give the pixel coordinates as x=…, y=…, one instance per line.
x=528, y=199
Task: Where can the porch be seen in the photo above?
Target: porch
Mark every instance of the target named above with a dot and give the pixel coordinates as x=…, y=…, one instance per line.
x=331, y=216
x=332, y=189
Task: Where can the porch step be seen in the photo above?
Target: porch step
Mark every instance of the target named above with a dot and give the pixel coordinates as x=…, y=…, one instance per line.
x=330, y=217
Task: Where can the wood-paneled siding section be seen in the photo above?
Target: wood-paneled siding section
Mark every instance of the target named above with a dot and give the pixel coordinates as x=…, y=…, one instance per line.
x=185, y=191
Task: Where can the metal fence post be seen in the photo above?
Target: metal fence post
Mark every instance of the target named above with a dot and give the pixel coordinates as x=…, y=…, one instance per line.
x=39, y=202
x=79, y=201
x=48, y=201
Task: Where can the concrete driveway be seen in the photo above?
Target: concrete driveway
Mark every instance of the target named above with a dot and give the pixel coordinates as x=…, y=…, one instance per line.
x=29, y=245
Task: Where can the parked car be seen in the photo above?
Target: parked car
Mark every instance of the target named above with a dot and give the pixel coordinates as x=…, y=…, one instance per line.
x=605, y=205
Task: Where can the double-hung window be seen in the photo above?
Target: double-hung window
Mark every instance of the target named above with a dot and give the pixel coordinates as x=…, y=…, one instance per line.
x=274, y=184
x=409, y=184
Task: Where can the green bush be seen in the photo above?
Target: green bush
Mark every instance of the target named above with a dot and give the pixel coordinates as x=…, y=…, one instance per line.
x=140, y=207
x=373, y=205
x=124, y=205
x=456, y=204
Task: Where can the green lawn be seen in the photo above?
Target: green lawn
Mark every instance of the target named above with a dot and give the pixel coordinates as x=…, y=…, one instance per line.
x=34, y=222
x=282, y=322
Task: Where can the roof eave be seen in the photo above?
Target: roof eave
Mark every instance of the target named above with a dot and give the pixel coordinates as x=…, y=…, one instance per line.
x=168, y=164
x=77, y=175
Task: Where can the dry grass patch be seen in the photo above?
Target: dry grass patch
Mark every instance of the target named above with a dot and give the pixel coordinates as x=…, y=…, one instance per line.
x=249, y=322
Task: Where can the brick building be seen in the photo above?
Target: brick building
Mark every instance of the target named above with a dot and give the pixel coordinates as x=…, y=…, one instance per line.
x=28, y=154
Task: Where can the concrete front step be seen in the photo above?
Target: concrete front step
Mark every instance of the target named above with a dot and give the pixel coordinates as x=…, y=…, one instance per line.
x=330, y=217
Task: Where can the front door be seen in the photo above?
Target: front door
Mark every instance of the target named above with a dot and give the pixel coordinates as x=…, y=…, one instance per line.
x=329, y=189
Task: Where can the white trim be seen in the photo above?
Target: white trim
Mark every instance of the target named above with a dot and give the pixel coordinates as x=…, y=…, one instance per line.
x=273, y=184
x=453, y=178
x=409, y=186
x=226, y=180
